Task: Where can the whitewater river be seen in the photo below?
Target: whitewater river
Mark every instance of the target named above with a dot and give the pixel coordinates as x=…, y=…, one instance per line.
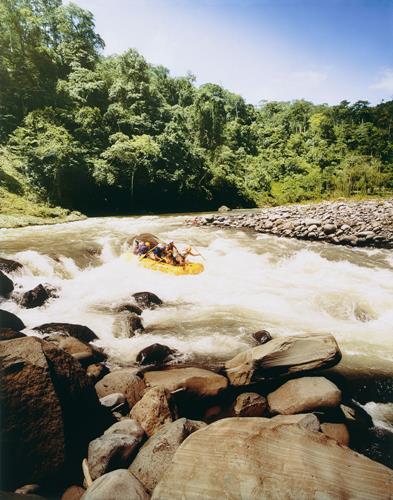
x=250, y=282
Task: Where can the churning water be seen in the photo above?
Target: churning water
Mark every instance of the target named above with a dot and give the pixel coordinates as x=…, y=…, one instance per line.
x=250, y=282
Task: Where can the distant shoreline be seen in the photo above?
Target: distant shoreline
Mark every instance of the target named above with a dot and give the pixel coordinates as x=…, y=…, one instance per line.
x=356, y=224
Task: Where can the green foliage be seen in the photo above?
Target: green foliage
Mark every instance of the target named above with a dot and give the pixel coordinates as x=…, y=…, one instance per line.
x=117, y=134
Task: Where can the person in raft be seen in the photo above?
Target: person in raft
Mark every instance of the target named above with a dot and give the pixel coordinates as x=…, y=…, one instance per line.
x=140, y=247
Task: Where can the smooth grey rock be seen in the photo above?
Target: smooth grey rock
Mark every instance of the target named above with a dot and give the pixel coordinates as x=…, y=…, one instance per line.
x=116, y=485
x=113, y=400
x=156, y=454
x=128, y=427
x=110, y=452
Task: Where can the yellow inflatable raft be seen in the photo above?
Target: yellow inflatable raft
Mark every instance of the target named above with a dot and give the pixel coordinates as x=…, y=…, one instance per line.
x=189, y=268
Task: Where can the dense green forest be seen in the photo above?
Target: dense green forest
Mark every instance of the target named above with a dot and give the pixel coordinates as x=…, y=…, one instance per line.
x=119, y=135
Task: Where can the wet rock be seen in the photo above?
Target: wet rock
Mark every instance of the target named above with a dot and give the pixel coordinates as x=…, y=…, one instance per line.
x=339, y=432
x=9, y=320
x=49, y=412
x=110, y=452
x=194, y=380
x=6, y=285
x=35, y=297
x=283, y=355
x=80, y=332
x=249, y=404
x=156, y=454
x=9, y=265
x=116, y=485
x=83, y=352
x=303, y=395
x=147, y=300
x=154, y=354
x=125, y=381
x=73, y=493
x=243, y=458
x=154, y=410
x=128, y=427
x=134, y=324
x=132, y=308
x=262, y=336
x=9, y=334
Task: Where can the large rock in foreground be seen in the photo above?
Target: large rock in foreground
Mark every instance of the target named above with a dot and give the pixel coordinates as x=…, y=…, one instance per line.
x=283, y=355
x=254, y=458
x=304, y=395
x=194, y=380
x=116, y=485
x=49, y=412
x=154, y=410
x=125, y=381
x=156, y=454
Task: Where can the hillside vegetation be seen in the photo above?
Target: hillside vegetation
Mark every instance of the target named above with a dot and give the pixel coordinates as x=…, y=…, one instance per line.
x=116, y=134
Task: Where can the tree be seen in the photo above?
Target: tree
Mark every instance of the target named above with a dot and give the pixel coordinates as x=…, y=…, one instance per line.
x=125, y=157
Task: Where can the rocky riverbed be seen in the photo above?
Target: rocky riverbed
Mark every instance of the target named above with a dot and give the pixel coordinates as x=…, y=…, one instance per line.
x=362, y=224
x=75, y=426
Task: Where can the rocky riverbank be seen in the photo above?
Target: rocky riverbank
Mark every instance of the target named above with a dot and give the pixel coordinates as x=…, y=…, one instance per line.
x=358, y=224
x=76, y=426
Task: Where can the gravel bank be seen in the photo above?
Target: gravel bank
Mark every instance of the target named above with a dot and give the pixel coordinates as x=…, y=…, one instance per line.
x=363, y=224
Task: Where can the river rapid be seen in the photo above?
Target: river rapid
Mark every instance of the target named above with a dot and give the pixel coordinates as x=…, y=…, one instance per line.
x=251, y=282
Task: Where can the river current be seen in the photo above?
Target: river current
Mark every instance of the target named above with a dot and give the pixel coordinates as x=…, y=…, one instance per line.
x=251, y=282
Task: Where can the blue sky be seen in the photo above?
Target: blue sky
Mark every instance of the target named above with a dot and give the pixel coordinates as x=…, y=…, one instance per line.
x=320, y=50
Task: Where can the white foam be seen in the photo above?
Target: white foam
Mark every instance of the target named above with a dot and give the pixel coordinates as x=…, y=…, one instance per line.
x=249, y=283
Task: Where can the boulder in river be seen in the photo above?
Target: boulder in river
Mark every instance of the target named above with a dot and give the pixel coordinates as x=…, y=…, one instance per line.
x=283, y=355
x=9, y=265
x=49, y=412
x=125, y=381
x=154, y=354
x=261, y=337
x=156, y=454
x=243, y=458
x=197, y=381
x=35, y=297
x=134, y=324
x=6, y=285
x=80, y=332
x=83, y=352
x=132, y=308
x=9, y=320
x=304, y=395
x=147, y=300
x=154, y=410
x=116, y=485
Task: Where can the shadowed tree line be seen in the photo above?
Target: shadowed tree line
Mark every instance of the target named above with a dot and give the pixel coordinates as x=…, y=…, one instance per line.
x=119, y=135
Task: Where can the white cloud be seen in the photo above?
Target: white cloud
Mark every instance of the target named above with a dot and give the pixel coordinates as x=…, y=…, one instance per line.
x=311, y=77
x=385, y=81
